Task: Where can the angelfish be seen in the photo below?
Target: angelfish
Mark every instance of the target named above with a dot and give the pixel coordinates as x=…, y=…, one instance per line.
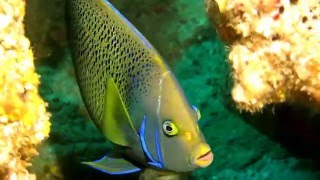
x=132, y=96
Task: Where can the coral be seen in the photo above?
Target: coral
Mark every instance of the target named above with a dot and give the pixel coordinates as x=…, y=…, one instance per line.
x=274, y=49
x=24, y=122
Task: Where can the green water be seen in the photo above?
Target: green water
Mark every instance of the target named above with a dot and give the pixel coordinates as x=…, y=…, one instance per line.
x=282, y=142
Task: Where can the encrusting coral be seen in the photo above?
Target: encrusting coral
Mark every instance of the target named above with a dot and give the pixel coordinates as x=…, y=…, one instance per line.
x=24, y=122
x=274, y=48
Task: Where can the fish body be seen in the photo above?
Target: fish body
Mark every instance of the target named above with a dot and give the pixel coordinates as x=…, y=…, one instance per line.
x=131, y=95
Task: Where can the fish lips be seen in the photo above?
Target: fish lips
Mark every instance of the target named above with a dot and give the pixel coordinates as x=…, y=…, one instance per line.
x=202, y=156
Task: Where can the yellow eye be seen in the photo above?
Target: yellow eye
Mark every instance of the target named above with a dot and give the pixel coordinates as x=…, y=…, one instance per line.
x=170, y=128
x=198, y=112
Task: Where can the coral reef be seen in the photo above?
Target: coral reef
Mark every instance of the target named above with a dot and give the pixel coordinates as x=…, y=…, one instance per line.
x=24, y=122
x=274, y=49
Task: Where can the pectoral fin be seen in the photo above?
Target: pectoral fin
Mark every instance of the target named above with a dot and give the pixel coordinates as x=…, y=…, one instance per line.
x=113, y=165
x=117, y=125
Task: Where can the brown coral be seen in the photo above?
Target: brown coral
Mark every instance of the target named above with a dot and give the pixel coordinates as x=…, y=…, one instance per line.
x=24, y=122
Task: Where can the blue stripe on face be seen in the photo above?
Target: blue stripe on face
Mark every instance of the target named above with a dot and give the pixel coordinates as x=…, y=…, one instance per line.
x=144, y=145
x=159, y=148
x=142, y=138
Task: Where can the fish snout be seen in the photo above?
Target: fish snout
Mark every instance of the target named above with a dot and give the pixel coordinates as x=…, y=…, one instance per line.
x=202, y=156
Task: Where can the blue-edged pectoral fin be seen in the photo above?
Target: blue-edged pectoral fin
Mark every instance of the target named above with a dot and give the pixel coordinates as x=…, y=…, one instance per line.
x=117, y=125
x=113, y=165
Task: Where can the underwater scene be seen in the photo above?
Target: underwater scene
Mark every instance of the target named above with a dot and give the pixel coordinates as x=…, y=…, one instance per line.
x=160, y=89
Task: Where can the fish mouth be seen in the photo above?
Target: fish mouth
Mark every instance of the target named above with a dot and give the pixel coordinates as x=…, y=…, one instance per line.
x=206, y=157
x=202, y=157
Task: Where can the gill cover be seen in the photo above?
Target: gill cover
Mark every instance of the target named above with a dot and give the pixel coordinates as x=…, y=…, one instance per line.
x=154, y=137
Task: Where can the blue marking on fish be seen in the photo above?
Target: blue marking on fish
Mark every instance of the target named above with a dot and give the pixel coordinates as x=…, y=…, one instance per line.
x=195, y=108
x=158, y=145
x=144, y=145
x=143, y=39
x=113, y=173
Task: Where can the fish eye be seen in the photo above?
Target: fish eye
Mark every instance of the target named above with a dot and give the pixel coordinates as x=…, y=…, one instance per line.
x=170, y=128
x=198, y=112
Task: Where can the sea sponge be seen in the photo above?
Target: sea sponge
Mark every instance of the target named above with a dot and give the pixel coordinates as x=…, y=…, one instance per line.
x=274, y=49
x=24, y=122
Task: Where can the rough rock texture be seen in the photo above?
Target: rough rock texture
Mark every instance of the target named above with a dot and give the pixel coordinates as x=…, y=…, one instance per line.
x=269, y=145
x=24, y=121
x=275, y=57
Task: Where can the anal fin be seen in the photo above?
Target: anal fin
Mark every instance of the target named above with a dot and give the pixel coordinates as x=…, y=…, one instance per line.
x=113, y=166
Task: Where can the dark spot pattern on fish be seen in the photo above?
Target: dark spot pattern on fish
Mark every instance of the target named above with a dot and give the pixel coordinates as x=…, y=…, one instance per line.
x=105, y=46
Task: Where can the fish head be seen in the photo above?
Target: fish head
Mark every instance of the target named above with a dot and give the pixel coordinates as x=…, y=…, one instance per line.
x=179, y=143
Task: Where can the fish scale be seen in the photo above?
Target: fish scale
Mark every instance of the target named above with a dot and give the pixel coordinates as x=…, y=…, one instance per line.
x=105, y=46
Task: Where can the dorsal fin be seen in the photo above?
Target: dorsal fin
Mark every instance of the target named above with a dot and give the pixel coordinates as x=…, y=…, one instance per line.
x=117, y=125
